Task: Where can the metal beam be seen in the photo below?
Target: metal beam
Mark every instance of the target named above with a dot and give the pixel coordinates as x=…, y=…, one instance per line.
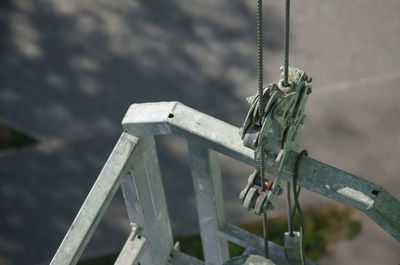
x=348, y=189
x=246, y=239
x=133, y=249
x=179, y=258
x=207, y=185
x=96, y=203
x=173, y=117
x=145, y=201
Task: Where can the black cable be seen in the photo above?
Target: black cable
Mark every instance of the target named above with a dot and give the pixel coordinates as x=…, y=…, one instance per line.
x=289, y=208
x=296, y=193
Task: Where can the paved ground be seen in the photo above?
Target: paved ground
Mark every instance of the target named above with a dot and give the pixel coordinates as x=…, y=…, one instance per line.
x=70, y=69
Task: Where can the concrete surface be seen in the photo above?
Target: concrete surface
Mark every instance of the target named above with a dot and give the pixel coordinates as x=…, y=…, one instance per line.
x=70, y=69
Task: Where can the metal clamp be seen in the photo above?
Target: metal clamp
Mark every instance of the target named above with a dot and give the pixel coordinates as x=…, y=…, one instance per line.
x=252, y=196
x=278, y=131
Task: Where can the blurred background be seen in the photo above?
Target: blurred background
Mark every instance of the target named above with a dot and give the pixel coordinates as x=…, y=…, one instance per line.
x=70, y=69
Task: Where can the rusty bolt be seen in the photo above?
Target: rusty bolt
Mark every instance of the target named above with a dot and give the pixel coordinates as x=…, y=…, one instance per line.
x=269, y=184
x=309, y=79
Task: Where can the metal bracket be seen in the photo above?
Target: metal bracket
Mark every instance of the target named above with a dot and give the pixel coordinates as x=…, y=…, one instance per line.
x=280, y=129
x=292, y=247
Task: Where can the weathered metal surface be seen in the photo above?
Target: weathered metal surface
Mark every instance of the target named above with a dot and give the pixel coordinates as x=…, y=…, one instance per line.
x=281, y=126
x=313, y=175
x=144, y=193
x=132, y=202
x=133, y=249
x=246, y=239
x=249, y=260
x=148, y=118
x=180, y=258
x=292, y=247
x=254, y=198
x=346, y=188
x=135, y=159
x=273, y=130
x=187, y=122
x=386, y=212
x=206, y=176
x=96, y=203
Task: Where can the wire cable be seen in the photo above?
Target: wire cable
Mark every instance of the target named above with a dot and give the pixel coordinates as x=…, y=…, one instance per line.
x=261, y=109
x=296, y=193
x=289, y=208
x=287, y=31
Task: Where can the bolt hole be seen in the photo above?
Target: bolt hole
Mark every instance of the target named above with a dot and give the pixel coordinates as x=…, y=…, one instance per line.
x=171, y=255
x=170, y=115
x=139, y=236
x=375, y=192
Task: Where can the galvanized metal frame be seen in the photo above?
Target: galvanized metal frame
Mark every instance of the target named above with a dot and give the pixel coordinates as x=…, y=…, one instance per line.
x=133, y=164
x=96, y=202
x=174, y=117
x=146, y=205
x=206, y=176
